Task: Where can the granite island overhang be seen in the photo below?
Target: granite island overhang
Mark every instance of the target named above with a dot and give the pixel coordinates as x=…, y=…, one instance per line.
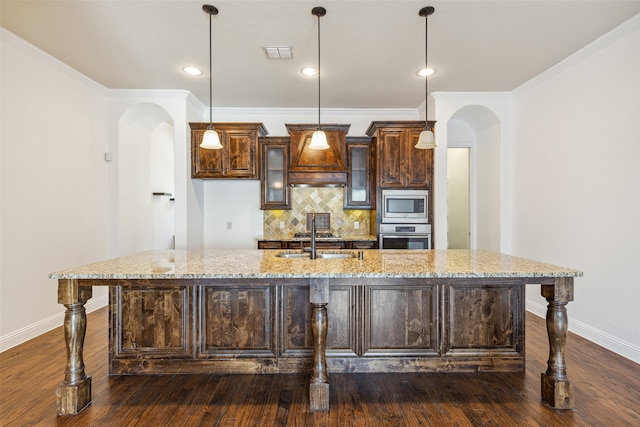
x=254, y=311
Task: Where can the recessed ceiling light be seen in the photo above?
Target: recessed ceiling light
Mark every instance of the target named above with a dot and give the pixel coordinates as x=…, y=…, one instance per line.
x=192, y=71
x=309, y=71
x=424, y=72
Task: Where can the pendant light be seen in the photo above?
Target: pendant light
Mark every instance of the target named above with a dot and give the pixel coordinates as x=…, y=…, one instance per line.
x=426, y=139
x=319, y=138
x=210, y=140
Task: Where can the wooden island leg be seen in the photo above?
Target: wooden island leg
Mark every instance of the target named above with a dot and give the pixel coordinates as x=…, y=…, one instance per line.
x=319, y=387
x=556, y=389
x=74, y=393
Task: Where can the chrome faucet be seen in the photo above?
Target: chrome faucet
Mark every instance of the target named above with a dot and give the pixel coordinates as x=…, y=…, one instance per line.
x=313, y=236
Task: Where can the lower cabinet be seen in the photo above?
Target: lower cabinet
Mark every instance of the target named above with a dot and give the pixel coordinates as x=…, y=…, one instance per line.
x=271, y=244
x=299, y=244
x=400, y=320
x=374, y=325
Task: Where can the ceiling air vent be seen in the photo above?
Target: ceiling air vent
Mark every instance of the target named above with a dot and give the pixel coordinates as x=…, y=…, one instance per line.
x=278, y=52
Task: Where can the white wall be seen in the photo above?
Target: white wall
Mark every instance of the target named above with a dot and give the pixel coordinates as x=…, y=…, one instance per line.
x=53, y=185
x=576, y=198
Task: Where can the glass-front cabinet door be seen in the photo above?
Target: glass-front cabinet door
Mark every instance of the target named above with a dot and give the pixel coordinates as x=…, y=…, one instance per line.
x=274, y=169
x=357, y=192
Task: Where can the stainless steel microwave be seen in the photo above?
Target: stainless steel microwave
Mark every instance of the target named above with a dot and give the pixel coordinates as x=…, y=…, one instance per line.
x=405, y=206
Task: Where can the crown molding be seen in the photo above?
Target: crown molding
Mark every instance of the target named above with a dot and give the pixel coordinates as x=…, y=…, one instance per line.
x=598, y=44
x=26, y=47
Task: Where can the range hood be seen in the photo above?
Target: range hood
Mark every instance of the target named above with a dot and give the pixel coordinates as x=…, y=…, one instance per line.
x=317, y=168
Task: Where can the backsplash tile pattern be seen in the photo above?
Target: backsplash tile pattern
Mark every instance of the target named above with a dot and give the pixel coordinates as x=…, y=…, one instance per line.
x=304, y=200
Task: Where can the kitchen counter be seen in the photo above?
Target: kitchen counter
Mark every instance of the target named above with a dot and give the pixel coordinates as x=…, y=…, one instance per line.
x=244, y=311
x=252, y=264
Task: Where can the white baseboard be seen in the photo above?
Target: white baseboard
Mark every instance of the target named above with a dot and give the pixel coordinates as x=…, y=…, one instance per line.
x=608, y=341
x=45, y=325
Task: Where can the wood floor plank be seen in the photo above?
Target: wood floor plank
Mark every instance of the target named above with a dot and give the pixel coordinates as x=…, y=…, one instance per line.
x=607, y=392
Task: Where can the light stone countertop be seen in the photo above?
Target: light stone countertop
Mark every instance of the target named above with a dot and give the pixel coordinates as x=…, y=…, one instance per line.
x=256, y=264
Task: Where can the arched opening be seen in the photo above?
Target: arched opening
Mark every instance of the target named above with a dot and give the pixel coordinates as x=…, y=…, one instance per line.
x=473, y=178
x=146, y=181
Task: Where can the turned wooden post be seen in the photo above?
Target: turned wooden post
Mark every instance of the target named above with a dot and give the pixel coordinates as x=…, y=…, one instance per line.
x=319, y=387
x=74, y=393
x=556, y=389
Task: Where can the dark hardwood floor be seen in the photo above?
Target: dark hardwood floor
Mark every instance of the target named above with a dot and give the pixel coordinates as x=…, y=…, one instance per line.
x=607, y=392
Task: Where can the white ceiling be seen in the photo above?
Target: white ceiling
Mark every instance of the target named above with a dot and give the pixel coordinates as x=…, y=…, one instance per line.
x=371, y=50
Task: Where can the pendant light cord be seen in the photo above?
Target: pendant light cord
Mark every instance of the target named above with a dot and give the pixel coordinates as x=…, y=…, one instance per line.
x=426, y=77
x=319, y=68
x=210, y=77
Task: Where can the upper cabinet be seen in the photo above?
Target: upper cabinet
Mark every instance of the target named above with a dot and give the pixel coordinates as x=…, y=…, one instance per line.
x=274, y=167
x=238, y=157
x=360, y=182
x=399, y=163
x=317, y=166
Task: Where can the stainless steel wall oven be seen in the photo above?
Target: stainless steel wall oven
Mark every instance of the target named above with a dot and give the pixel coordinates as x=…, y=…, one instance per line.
x=405, y=236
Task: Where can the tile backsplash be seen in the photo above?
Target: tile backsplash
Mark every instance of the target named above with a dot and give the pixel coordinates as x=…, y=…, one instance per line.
x=316, y=199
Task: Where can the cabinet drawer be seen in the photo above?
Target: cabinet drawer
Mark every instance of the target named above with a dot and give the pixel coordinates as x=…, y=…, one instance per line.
x=271, y=244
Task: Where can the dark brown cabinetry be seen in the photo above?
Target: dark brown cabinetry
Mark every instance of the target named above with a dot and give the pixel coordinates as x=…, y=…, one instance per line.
x=274, y=170
x=399, y=163
x=362, y=244
x=317, y=166
x=271, y=244
x=260, y=326
x=238, y=157
x=358, y=190
x=300, y=244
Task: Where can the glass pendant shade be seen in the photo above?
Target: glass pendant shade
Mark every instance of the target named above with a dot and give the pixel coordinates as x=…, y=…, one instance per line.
x=211, y=140
x=319, y=141
x=426, y=140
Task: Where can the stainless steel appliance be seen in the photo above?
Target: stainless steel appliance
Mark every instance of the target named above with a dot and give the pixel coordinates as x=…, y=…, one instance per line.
x=405, y=206
x=405, y=236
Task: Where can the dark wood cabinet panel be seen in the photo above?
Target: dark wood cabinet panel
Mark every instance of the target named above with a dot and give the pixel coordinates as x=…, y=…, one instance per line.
x=342, y=315
x=238, y=157
x=301, y=244
x=253, y=326
x=399, y=163
x=362, y=244
x=236, y=321
x=271, y=244
x=483, y=319
x=154, y=322
x=401, y=320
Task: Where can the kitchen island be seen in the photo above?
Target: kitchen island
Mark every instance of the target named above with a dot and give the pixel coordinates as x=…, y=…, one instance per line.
x=255, y=311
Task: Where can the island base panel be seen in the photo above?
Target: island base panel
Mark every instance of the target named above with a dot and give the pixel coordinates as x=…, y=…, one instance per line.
x=71, y=399
x=556, y=393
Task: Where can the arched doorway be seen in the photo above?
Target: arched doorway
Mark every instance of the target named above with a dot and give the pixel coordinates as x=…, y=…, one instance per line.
x=474, y=134
x=146, y=181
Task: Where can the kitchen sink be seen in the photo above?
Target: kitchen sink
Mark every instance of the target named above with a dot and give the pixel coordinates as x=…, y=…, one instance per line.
x=293, y=255
x=336, y=255
x=319, y=255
